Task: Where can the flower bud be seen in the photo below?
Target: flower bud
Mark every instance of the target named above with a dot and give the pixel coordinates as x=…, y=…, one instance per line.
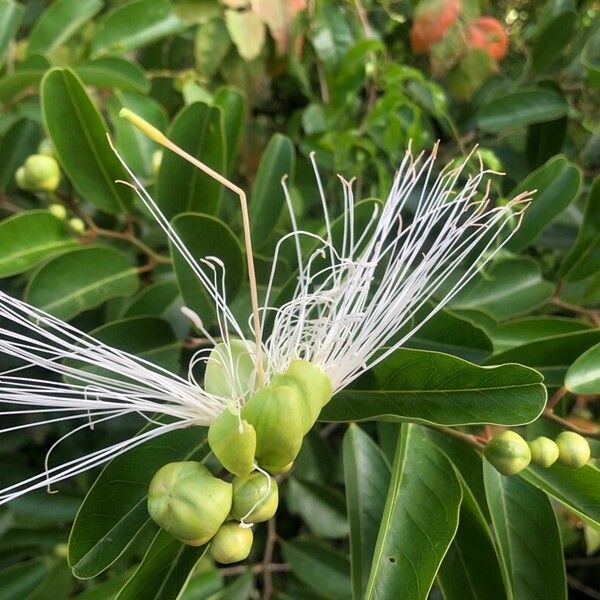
x=46, y=148
x=573, y=449
x=231, y=543
x=507, y=452
x=77, y=225
x=233, y=442
x=276, y=413
x=42, y=173
x=544, y=451
x=21, y=179
x=255, y=498
x=187, y=501
x=229, y=377
x=58, y=210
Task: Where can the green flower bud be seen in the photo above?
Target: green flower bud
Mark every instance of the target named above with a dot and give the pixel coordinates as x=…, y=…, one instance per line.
x=42, y=173
x=573, y=450
x=186, y=500
x=544, y=451
x=218, y=377
x=155, y=164
x=58, y=210
x=276, y=412
x=233, y=443
x=21, y=179
x=46, y=147
x=255, y=498
x=508, y=453
x=231, y=543
x=77, y=225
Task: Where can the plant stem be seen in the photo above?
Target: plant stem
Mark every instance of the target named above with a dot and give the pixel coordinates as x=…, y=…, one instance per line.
x=473, y=440
x=548, y=414
x=268, y=557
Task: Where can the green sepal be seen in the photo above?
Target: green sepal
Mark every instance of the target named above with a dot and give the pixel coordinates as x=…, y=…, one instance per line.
x=231, y=543
x=255, y=498
x=508, y=453
x=216, y=380
x=544, y=451
x=573, y=450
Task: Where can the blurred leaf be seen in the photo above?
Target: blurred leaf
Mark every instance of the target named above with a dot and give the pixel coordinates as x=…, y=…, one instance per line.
x=321, y=508
x=438, y=388
x=13, y=84
x=544, y=140
x=11, y=14
x=234, y=107
x=324, y=571
x=552, y=38
x=19, y=581
x=154, y=300
x=268, y=200
x=247, y=31
x=521, y=107
x=211, y=45
x=59, y=22
x=367, y=478
x=112, y=72
x=164, y=570
x=583, y=259
x=509, y=288
x=577, y=489
x=135, y=24
x=16, y=145
x=240, y=589
x=78, y=133
x=419, y=522
x=551, y=356
x=81, y=279
x=204, y=236
x=331, y=34
x=527, y=535
x=30, y=237
x=203, y=585
x=558, y=184
x=181, y=186
x=56, y=585
x=583, y=376
x=107, y=590
x=114, y=510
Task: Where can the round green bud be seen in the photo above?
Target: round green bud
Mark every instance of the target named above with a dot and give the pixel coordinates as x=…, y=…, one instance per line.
x=276, y=413
x=218, y=377
x=233, y=442
x=186, y=500
x=42, y=173
x=255, y=498
x=155, y=164
x=46, y=147
x=507, y=452
x=573, y=449
x=59, y=211
x=544, y=451
x=231, y=543
x=77, y=225
x=21, y=179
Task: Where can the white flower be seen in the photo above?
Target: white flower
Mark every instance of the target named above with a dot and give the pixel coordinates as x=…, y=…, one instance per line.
x=355, y=302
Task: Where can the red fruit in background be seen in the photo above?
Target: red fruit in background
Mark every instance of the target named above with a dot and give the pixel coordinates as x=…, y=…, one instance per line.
x=487, y=33
x=432, y=19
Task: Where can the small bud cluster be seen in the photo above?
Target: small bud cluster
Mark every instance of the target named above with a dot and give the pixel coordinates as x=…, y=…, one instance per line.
x=40, y=172
x=509, y=453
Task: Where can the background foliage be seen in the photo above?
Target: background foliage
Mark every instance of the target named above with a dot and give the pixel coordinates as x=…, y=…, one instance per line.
x=372, y=509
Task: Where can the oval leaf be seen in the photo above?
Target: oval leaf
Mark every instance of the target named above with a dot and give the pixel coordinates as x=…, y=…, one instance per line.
x=11, y=14
x=112, y=72
x=583, y=376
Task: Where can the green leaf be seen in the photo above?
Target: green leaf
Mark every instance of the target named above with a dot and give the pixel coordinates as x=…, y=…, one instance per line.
x=552, y=38
x=16, y=145
x=558, y=184
x=583, y=259
x=154, y=300
x=520, y=108
x=367, y=478
x=13, y=84
x=181, y=186
x=431, y=387
x=321, y=569
x=240, y=589
x=510, y=288
x=114, y=510
x=234, y=106
x=204, y=236
x=551, y=356
x=135, y=24
x=22, y=579
x=112, y=72
x=57, y=584
x=419, y=521
x=81, y=279
x=211, y=45
x=164, y=570
x=78, y=133
x=577, y=489
x=30, y=237
x=247, y=32
x=527, y=535
x=59, y=22
x=11, y=14
x=583, y=376
x=268, y=200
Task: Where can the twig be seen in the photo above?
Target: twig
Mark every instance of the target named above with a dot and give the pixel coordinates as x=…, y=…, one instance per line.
x=551, y=416
x=473, y=440
x=256, y=569
x=267, y=559
x=556, y=398
x=591, y=314
x=581, y=587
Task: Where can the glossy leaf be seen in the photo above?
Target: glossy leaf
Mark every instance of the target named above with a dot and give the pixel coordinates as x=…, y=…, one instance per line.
x=558, y=184
x=419, y=521
x=267, y=200
x=552, y=38
x=16, y=145
x=583, y=259
x=583, y=376
x=11, y=14
x=367, y=478
x=114, y=510
x=234, y=107
x=78, y=133
x=13, y=84
x=164, y=570
x=135, y=24
x=155, y=299
x=29, y=238
x=528, y=537
x=81, y=279
x=437, y=388
x=181, y=187
x=521, y=107
x=112, y=72
x=59, y=22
